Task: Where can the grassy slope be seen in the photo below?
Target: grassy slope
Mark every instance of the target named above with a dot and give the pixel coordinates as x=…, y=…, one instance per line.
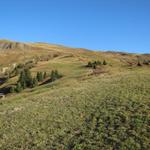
x=79, y=111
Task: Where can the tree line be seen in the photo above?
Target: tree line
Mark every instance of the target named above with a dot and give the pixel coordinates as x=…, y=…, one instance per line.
x=27, y=81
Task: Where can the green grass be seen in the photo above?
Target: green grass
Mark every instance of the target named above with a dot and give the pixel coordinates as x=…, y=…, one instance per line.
x=110, y=112
x=80, y=111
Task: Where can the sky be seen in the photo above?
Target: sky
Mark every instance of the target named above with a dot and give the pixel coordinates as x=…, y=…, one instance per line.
x=119, y=25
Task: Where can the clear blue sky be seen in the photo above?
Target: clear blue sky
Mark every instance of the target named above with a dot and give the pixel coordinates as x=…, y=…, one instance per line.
x=122, y=25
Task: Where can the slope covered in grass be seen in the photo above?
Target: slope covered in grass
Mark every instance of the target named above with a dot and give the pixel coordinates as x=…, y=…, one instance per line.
x=110, y=112
x=87, y=109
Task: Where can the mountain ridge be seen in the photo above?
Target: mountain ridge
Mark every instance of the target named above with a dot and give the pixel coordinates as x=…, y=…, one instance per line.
x=13, y=45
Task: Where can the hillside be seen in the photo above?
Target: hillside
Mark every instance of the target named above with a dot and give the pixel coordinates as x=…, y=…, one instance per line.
x=99, y=106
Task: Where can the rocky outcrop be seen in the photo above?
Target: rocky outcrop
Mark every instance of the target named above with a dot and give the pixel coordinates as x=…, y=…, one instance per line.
x=10, y=45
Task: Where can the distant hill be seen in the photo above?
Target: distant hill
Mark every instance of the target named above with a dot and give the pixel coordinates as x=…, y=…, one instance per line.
x=14, y=52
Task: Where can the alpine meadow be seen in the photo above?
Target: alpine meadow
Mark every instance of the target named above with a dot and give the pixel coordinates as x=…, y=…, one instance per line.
x=61, y=98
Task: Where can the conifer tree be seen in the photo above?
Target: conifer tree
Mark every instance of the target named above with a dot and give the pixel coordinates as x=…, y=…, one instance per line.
x=89, y=64
x=18, y=87
x=94, y=66
x=45, y=75
x=53, y=75
x=12, y=89
x=57, y=75
x=28, y=78
x=95, y=62
x=34, y=82
x=104, y=62
x=39, y=76
x=22, y=79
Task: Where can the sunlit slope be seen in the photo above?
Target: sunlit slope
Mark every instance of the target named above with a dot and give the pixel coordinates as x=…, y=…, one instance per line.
x=97, y=113
x=84, y=110
x=15, y=52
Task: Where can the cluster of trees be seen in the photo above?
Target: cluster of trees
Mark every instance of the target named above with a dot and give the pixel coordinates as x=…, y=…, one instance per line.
x=96, y=63
x=27, y=81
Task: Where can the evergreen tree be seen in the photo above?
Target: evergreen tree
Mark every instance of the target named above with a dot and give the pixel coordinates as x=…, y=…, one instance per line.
x=58, y=75
x=89, y=64
x=95, y=62
x=18, y=87
x=12, y=89
x=28, y=78
x=45, y=75
x=22, y=79
x=34, y=82
x=39, y=76
x=53, y=76
x=104, y=62
x=94, y=66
